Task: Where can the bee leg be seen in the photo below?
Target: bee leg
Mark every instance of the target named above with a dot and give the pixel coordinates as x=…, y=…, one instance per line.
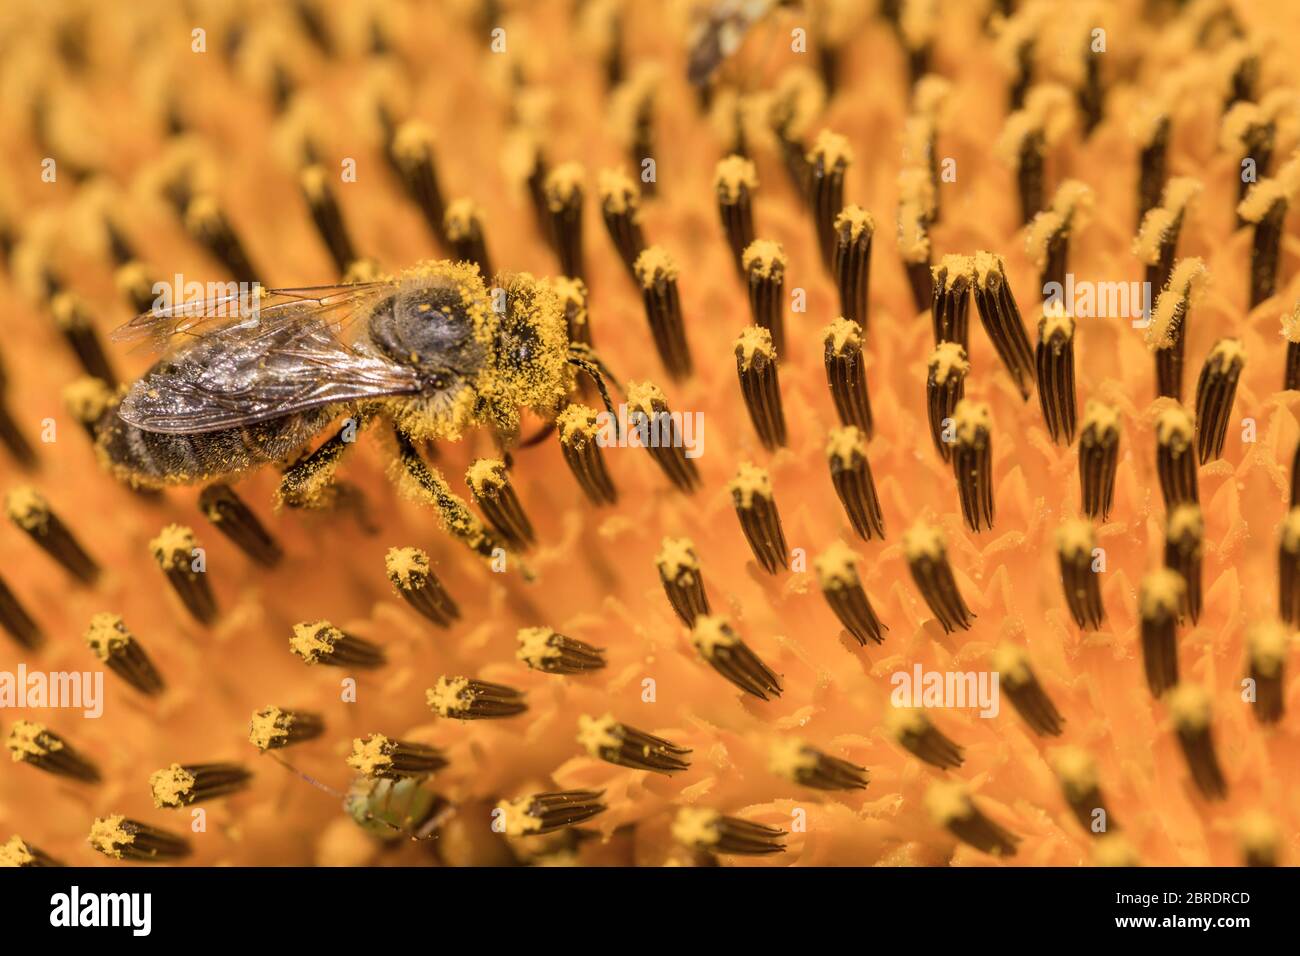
x=583, y=358
x=540, y=436
x=309, y=482
x=581, y=350
x=428, y=485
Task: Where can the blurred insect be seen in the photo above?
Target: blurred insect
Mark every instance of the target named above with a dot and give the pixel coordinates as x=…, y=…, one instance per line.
x=430, y=351
x=719, y=29
x=393, y=808
x=388, y=809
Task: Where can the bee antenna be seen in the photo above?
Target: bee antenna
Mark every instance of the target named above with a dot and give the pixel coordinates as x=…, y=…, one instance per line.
x=369, y=818
x=582, y=358
x=311, y=780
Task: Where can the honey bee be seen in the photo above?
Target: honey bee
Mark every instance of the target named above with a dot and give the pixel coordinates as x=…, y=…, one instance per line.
x=431, y=351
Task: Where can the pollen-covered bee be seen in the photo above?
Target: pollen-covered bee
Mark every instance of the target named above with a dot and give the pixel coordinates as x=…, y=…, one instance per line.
x=431, y=351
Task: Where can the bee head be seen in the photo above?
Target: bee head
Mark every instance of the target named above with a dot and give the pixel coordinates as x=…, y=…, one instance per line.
x=438, y=321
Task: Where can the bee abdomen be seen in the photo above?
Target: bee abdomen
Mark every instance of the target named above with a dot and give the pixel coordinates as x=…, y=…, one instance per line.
x=154, y=459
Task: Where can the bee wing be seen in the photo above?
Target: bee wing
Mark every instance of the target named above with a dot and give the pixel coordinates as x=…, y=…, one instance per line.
x=240, y=372
x=166, y=329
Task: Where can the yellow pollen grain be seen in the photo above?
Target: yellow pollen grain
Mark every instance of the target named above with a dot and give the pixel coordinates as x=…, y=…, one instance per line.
x=1043, y=228
x=1012, y=663
x=15, y=853
x=1291, y=325
x=618, y=192
x=28, y=739
x=518, y=821
x=87, y=398
x=916, y=197
x=1189, y=707
x=1161, y=593
x=754, y=341
x=654, y=265
x=371, y=755
x=799, y=98
x=1174, y=427
x=732, y=176
x=1073, y=199
x=406, y=567
x=836, y=567
x=763, y=258
x=486, y=474
x=1268, y=642
x=107, y=635
x=171, y=786
x=1056, y=322
x=905, y=721
x=1112, y=849
x=930, y=95
x=1258, y=833
x=843, y=444
x=791, y=759
x=751, y=481
x=412, y=142
x=1291, y=530
x=831, y=150
x=948, y=358
x=711, y=632
x=913, y=241
x=948, y=802
x=1179, y=193
x=842, y=335
x=924, y=541
x=563, y=186
x=956, y=268
x=988, y=268
x=312, y=641
x=1185, y=522
x=1267, y=193
x=536, y=644
x=28, y=508
x=175, y=542
x=1226, y=354
x=358, y=271
x=577, y=424
x=461, y=219
x=130, y=277
x=971, y=418
x=1156, y=225
x=1076, y=769
x=108, y=836
x=572, y=293
x=697, y=827
x=1177, y=196
x=599, y=733
x=676, y=558
x=854, y=221
x=445, y=698
x=315, y=182
x=1075, y=538
x=1238, y=125
x=202, y=213
x=1100, y=418
x=267, y=726
x=646, y=397
x=68, y=313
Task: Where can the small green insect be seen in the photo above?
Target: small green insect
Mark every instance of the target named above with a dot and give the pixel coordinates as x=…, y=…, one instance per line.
x=389, y=809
